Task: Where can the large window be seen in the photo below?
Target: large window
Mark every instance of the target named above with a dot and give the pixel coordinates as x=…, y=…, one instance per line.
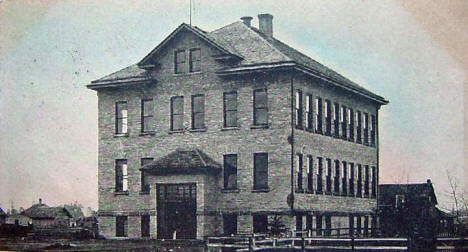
x=374, y=182
x=310, y=174
x=358, y=127
x=336, y=116
x=147, y=110
x=195, y=56
x=198, y=111
x=145, y=225
x=344, y=179
x=121, y=226
x=299, y=169
x=230, y=171
x=318, y=115
x=145, y=187
x=318, y=224
x=366, y=182
x=179, y=61
x=230, y=109
x=328, y=175
x=177, y=113
x=309, y=115
x=260, y=107
x=230, y=224
x=298, y=109
x=359, y=181
x=351, y=179
x=121, y=117
x=372, y=129
x=344, y=124
x=366, y=128
x=327, y=117
x=337, y=177
x=121, y=175
x=351, y=124
x=260, y=171
x=319, y=175
x=260, y=223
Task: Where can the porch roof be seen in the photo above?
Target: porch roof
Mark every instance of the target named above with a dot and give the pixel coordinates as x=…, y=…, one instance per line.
x=183, y=161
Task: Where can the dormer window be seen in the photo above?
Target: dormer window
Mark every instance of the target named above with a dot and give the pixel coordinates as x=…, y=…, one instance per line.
x=179, y=62
x=195, y=56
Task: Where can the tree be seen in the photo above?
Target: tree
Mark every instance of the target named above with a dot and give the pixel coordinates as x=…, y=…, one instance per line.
x=460, y=203
x=276, y=226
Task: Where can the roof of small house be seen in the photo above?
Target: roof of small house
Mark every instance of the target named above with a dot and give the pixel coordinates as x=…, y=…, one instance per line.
x=183, y=161
x=43, y=211
x=388, y=191
x=255, y=52
x=2, y=213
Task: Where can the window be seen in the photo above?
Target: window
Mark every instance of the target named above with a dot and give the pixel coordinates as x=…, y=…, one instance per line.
x=399, y=200
x=337, y=177
x=309, y=115
x=299, y=171
x=121, y=117
x=195, y=56
x=230, y=224
x=299, y=223
x=351, y=124
x=374, y=182
x=372, y=129
x=344, y=179
x=336, y=116
x=145, y=225
x=319, y=175
x=358, y=127
x=260, y=171
x=145, y=187
x=198, y=111
x=298, y=109
x=366, y=181
x=121, y=226
x=260, y=107
x=318, y=115
x=328, y=175
x=366, y=130
x=359, y=181
x=147, y=110
x=366, y=225
x=318, y=224
x=230, y=171
x=327, y=117
x=177, y=113
x=351, y=179
x=310, y=174
x=344, y=122
x=309, y=220
x=121, y=175
x=230, y=109
x=351, y=224
x=179, y=61
x=358, y=225
x=328, y=225
x=260, y=223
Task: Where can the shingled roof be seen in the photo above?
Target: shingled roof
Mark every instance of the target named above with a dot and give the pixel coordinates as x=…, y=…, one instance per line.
x=388, y=191
x=43, y=211
x=183, y=161
x=254, y=51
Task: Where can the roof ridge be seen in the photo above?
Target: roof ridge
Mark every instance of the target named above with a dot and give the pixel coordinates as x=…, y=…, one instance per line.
x=225, y=26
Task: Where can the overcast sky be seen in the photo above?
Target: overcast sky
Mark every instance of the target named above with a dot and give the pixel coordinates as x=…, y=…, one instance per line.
x=413, y=54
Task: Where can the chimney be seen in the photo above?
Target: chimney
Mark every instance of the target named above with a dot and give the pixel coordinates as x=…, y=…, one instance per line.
x=40, y=201
x=265, y=24
x=247, y=20
x=429, y=181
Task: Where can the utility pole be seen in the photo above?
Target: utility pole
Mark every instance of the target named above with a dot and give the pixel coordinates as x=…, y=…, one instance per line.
x=190, y=12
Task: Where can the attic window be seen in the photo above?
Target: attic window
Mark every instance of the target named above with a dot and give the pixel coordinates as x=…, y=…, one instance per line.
x=179, y=61
x=195, y=56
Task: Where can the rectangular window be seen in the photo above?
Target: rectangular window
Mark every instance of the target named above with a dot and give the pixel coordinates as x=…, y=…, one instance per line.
x=195, y=56
x=318, y=115
x=145, y=226
x=299, y=169
x=328, y=225
x=121, y=117
x=309, y=219
x=327, y=118
x=310, y=116
x=366, y=225
x=366, y=129
x=337, y=177
x=374, y=182
x=319, y=175
x=358, y=127
x=336, y=116
x=121, y=226
x=177, y=113
x=359, y=181
x=145, y=187
x=230, y=109
x=230, y=171
x=121, y=175
x=198, y=111
x=344, y=179
x=351, y=124
x=310, y=174
x=260, y=223
x=147, y=111
x=358, y=225
x=372, y=129
x=299, y=223
x=318, y=224
x=230, y=224
x=298, y=109
x=260, y=107
x=351, y=179
x=366, y=181
x=260, y=171
x=328, y=175
x=344, y=122
x=179, y=61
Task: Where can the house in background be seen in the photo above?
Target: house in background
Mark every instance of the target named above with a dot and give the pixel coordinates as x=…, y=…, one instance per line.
x=219, y=132
x=3, y=216
x=43, y=216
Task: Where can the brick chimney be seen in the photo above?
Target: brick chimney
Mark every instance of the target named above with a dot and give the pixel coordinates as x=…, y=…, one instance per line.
x=265, y=24
x=247, y=20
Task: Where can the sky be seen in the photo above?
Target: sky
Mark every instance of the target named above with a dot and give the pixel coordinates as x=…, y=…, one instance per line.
x=412, y=53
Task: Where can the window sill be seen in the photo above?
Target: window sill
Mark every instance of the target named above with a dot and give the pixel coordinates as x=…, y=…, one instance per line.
x=121, y=193
x=264, y=190
x=186, y=74
x=144, y=192
x=229, y=128
x=198, y=130
x=147, y=133
x=265, y=126
x=121, y=135
x=299, y=191
x=230, y=190
x=176, y=131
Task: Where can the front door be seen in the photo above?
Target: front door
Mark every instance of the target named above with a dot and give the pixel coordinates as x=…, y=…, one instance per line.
x=176, y=211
